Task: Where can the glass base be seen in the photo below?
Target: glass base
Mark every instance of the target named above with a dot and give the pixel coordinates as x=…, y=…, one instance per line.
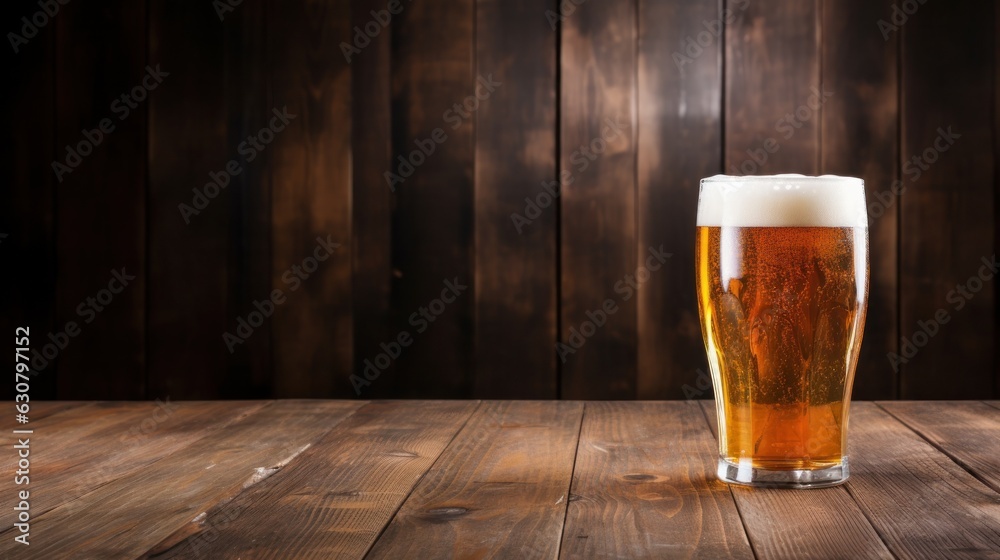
x=747, y=475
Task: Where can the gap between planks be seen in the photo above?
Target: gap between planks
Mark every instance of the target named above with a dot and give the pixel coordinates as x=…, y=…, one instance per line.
x=712, y=428
x=569, y=488
x=479, y=405
x=954, y=458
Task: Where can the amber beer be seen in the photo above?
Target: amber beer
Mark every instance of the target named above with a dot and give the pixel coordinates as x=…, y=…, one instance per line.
x=782, y=275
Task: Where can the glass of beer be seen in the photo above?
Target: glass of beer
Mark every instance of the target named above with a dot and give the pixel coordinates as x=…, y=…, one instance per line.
x=782, y=275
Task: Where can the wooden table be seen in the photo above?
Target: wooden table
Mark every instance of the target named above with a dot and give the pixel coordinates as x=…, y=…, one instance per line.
x=491, y=479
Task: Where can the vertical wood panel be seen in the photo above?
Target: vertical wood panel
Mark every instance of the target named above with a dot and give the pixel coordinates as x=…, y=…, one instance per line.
x=311, y=177
x=371, y=149
x=432, y=219
x=187, y=254
x=680, y=141
x=996, y=182
x=860, y=138
x=515, y=312
x=947, y=212
x=246, y=57
x=772, y=67
x=101, y=205
x=27, y=248
x=598, y=236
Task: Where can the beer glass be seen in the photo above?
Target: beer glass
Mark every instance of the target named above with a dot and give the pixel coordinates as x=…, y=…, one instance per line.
x=782, y=276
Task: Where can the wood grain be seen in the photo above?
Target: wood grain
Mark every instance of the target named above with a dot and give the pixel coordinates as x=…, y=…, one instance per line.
x=773, y=70
x=250, y=373
x=824, y=523
x=515, y=322
x=944, y=52
x=922, y=503
x=432, y=221
x=79, y=450
x=680, y=141
x=859, y=138
x=101, y=204
x=967, y=432
x=311, y=167
x=500, y=489
x=643, y=487
x=371, y=153
x=37, y=411
x=777, y=525
x=187, y=255
x=598, y=238
x=27, y=246
x=330, y=503
x=141, y=509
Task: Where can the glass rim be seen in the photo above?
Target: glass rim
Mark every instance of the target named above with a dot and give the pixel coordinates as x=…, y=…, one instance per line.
x=786, y=178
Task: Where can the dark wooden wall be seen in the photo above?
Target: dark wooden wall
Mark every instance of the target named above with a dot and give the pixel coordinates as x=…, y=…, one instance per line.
x=679, y=89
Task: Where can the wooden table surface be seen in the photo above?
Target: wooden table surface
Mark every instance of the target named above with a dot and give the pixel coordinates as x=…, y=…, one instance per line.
x=490, y=479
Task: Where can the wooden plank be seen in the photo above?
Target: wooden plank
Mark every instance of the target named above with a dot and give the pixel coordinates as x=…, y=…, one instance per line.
x=680, y=141
x=643, y=487
x=371, y=151
x=330, y=503
x=780, y=524
x=311, y=160
x=101, y=204
x=772, y=76
x=859, y=137
x=500, y=489
x=598, y=238
x=250, y=373
x=27, y=244
x=38, y=410
x=515, y=322
x=82, y=449
x=188, y=246
x=432, y=232
x=921, y=502
x=141, y=509
x=955, y=191
x=966, y=431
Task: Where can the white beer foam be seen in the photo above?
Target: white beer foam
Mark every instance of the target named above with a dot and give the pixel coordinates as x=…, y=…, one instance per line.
x=788, y=200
